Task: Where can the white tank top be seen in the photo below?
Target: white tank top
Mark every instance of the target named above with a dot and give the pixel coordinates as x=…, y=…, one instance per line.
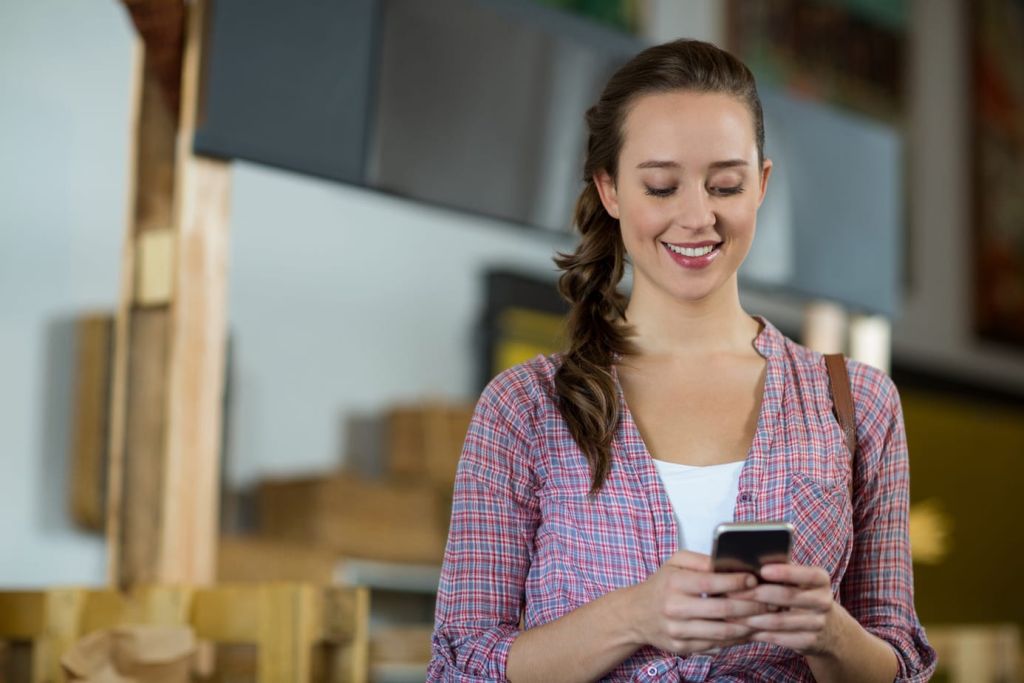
x=702, y=498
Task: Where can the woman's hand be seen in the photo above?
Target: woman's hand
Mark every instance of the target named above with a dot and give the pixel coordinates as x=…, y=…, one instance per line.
x=802, y=614
x=683, y=607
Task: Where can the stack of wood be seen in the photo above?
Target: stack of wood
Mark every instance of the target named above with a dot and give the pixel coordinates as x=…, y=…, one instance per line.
x=393, y=513
x=401, y=516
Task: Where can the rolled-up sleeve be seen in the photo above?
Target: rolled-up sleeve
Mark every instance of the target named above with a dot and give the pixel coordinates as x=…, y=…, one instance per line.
x=490, y=540
x=878, y=588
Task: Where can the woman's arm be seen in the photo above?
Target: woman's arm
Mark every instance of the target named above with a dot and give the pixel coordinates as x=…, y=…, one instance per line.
x=495, y=514
x=666, y=610
x=875, y=634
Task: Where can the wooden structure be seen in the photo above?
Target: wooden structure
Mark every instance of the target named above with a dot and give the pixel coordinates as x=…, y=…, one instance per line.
x=170, y=336
x=286, y=621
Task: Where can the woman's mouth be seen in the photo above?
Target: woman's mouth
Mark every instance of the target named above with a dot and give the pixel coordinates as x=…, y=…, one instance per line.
x=693, y=257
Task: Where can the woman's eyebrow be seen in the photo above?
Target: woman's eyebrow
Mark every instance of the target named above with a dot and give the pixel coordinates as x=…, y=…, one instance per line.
x=728, y=163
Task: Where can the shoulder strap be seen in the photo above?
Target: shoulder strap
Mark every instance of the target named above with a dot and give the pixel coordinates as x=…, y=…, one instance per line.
x=842, y=405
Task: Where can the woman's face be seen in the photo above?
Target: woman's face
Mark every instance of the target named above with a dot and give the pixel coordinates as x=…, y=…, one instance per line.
x=688, y=176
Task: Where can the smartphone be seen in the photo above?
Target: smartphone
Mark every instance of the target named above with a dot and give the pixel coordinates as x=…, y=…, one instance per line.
x=747, y=546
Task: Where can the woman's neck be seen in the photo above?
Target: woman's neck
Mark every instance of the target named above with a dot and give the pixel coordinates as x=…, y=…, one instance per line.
x=680, y=330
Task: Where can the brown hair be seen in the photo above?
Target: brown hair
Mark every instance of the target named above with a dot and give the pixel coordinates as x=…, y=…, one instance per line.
x=588, y=399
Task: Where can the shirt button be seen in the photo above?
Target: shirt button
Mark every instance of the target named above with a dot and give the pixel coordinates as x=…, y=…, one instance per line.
x=652, y=671
x=746, y=497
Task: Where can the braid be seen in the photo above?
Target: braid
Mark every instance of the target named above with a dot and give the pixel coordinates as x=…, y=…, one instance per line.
x=584, y=381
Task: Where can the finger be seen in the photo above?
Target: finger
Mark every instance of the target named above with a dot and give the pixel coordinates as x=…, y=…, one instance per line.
x=803, y=576
x=817, y=599
x=725, y=608
x=790, y=622
x=708, y=583
x=686, y=559
x=703, y=629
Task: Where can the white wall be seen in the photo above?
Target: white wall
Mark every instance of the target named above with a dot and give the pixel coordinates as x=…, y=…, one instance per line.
x=344, y=301
x=65, y=71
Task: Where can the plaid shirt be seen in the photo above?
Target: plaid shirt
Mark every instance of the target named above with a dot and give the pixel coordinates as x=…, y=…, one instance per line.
x=525, y=536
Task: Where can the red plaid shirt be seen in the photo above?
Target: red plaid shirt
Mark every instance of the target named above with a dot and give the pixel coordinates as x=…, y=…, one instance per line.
x=524, y=535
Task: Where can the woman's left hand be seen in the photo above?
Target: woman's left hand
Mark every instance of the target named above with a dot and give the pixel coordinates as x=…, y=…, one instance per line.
x=803, y=616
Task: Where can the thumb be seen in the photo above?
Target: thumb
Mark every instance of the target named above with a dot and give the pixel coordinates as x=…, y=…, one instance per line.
x=686, y=559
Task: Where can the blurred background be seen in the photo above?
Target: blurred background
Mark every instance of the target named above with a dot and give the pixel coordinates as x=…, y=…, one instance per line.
x=258, y=260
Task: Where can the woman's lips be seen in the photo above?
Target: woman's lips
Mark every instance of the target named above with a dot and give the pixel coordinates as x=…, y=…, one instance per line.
x=694, y=261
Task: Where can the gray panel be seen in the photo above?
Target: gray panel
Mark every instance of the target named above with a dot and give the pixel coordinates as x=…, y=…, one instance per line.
x=837, y=207
x=289, y=83
x=482, y=108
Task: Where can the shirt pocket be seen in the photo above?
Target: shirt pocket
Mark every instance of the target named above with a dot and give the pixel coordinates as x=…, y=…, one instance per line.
x=818, y=512
x=603, y=542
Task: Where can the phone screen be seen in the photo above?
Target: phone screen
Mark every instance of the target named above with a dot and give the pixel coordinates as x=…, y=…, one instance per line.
x=748, y=550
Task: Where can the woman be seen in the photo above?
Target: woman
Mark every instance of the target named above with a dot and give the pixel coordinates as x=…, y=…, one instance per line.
x=590, y=480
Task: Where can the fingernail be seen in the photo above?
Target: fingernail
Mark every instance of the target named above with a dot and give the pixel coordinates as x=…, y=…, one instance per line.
x=751, y=582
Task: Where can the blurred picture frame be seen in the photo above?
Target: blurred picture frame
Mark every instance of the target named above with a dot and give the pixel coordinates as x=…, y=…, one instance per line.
x=997, y=142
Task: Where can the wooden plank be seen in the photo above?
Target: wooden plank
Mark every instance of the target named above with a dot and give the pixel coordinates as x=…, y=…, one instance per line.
x=160, y=23
x=288, y=631
x=62, y=612
x=22, y=614
x=89, y=443
x=346, y=622
x=145, y=435
x=136, y=422
x=228, y=614
x=242, y=558
x=170, y=341
x=119, y=378
x=188, y=550
x=383, y=520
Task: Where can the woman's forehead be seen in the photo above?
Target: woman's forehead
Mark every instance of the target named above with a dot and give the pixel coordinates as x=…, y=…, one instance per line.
x=688, y=127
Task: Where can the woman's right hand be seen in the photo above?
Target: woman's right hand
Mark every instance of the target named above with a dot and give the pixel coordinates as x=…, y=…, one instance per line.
x=681, y=608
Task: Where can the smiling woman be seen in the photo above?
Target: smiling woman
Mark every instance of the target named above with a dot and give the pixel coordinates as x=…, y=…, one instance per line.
x=578, y=533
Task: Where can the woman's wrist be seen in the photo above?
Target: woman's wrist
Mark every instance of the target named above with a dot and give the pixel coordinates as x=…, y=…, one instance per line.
x=851, y=653
x=630, y=599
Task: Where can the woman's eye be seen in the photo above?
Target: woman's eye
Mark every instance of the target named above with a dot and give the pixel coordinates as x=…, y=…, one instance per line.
x=726, y=191
x=660, y=191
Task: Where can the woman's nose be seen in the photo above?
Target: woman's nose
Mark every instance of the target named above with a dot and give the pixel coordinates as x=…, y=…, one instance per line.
x=693, y=209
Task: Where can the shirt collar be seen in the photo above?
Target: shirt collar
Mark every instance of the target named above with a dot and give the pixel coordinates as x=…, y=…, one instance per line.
x=769, y=341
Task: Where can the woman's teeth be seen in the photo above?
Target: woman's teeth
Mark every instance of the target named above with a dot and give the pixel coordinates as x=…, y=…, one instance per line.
x=701, y=251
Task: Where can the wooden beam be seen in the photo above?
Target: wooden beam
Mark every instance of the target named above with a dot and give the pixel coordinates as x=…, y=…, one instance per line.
x=170, y=340
x=161, y=25
x=89, y=444
x=198, y=339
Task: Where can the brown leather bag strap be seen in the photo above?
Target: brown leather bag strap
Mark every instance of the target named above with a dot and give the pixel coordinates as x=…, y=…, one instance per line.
x=842, y=404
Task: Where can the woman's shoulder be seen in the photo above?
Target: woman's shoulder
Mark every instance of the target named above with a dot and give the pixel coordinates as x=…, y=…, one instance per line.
x=527, y=383
x=874, y=392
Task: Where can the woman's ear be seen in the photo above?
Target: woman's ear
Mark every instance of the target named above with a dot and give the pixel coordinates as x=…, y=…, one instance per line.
x=766, y=170
x=608, y=193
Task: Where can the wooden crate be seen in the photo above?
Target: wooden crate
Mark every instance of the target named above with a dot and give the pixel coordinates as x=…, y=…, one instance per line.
x=384, y=520
x=287, y=622
x=254, y=558
x=424, y=441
